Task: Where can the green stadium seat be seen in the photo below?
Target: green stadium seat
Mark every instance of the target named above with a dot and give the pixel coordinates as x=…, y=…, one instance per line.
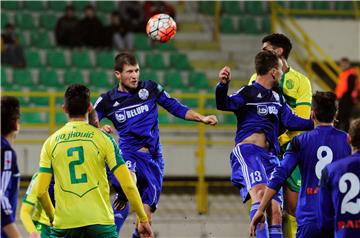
x=321, y=5
x=24, y=21
x=73, y=76
x=148, y=75
x=34, y=117
x=198, y=80
x=179, y=121
x=179, y=61
x=190, y=102
x=231, y=7
x=60, y=118
x=210, y=103
x=300, y=5
x=155, y=61
x=39, y=101
x=227, y=25
x=80, y=5
x=141, y=42
x=163, y=118
x=344, y=5
x=22, y=38
x=207, y=7
x=105, y=59
x=33, y=58
x=4, y=77
x=249, y=25
x=106, y=6
x=99, y=78
x=10, y=5
x=56, y=59
x=34, y=6
x=57, y=6
x=23, y=77
x=266, y=25
x=24, y=101
x=81, y=59
x=169, y=46
x=229, y=119
x=49, y=78
x=4, y=19
x=173, y=80
x=48, y=21
x=41, y=39
x=254, y=7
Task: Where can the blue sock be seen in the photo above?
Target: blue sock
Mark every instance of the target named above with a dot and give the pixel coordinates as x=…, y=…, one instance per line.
x=136, y=234
x=265, y=232
x=120, y=216
x=275, y=231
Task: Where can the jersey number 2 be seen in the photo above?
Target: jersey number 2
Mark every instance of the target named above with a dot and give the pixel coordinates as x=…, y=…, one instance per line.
x=351, y=192
x=72, y=164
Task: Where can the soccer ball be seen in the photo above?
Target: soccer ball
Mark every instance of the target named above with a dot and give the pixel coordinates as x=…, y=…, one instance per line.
x=161, y=27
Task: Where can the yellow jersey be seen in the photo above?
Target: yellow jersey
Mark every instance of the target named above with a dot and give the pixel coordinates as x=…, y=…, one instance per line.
x=297, y=91
x=30, y=197
x=77, y=154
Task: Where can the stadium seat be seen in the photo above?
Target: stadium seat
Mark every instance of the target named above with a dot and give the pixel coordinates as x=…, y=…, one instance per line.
x=49, y=78
x=210, y=103
x=229, y=119
x=4, y=19
x=4, y=78
x=173, y=80
x=99, y=78
x=207, y=7
x=73, y=76
x=39, y=101
x=34, y=117
x=179, y=61
x=169, y=46
x=227, y=25
x=141, y=42
x=106, y=6
x=105, y=60
x=33, y=58
x=249, y=25
x=255, y=8
x=148, y=75
x=81, y=59
x=80, y=5
x=9, y=5
x=299, y=5
x=266, y=25
x=48, y=21
x=198, y=80
x=34, y=6
x=22, y=38
x=190, y=102
x=344, y=5
x=163, y=118
x=321, y=5
x=56, y=59
x=23, y=77
x=231, y=7
x=57, y=6
x=155, y=61
x=60, y=118
x=41, y=39
x=24, y=21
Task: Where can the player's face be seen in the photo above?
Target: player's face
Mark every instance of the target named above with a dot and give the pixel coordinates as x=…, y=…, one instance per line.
x=277, y=74
x=129, y=77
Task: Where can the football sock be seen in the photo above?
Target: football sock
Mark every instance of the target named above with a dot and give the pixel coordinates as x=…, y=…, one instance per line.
x=259, y=234
x=136, y=234
x=290, y=226
x=275, y=231
x=120, y=216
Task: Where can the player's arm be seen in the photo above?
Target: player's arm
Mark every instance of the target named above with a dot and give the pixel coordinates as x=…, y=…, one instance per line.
x=293, y=122
x=11, y=230
x=326, y=210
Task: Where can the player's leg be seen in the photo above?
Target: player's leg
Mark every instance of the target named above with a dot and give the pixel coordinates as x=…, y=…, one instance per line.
x=249, y=175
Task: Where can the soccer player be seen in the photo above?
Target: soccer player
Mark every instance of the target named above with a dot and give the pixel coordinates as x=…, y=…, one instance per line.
x=339, y=194
x=312, y=151
x=10, y=176
x=76, y=156
x=296, y=89
x=259, y=111
x=132, y=108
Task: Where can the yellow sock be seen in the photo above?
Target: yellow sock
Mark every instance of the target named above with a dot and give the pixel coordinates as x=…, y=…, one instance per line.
x=290, y=226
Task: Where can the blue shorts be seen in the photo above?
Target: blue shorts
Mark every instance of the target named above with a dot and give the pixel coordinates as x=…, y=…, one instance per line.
x=149, y=173
x=309, y=230
x=252, y=165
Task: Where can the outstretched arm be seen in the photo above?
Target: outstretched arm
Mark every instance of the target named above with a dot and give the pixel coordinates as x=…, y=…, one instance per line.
x=192, y=115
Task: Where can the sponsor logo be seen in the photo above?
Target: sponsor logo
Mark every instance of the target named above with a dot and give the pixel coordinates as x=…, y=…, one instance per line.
x=263, y=110
x=122, y=115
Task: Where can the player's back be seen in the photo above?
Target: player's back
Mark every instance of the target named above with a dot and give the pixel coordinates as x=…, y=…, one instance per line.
x=344, y=180
x=77, y=155
x=317, y=148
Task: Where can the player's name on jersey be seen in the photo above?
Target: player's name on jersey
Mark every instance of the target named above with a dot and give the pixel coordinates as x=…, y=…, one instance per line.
x=72, y=135
x=349, y=224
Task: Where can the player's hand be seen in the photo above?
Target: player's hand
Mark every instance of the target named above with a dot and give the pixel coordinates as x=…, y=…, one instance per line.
x=34, y=235
x=225, y=75
x=145, y=230
x=108, y=129
x=210, y=120
x=259, y=217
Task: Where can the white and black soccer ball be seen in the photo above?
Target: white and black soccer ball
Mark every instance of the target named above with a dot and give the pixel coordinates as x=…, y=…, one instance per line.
x=161, y=27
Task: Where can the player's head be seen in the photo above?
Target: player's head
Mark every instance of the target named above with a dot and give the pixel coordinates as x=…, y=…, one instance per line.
x=354, y=134
x=279, y=43
x=344, y=63
x=127, y=70
x=267, y=63
x=10, y=115
x=77, y=101
x=324, y=107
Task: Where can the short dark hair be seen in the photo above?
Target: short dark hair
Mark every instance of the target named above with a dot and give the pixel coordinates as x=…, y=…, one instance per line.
x=354, y=132
x=264, y=61
x=324, y=105
x=77, y=100
x=124, y=58
x=279, y=40
x=10, y=113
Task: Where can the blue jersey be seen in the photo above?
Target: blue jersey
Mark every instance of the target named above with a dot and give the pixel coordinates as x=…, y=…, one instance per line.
x=10, y=178
x=135, y=115
x=340, y=198
x=312, y=151
x=259, y=109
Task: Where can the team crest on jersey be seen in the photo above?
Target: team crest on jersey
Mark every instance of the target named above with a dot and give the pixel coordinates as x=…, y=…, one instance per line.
x=120, y=116
x=143, y=94
x=289, y=84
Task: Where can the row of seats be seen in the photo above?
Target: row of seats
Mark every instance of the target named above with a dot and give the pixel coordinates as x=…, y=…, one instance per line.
x=84, y=59
x=58, y=6
x=173, y=80
x=250, y=25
